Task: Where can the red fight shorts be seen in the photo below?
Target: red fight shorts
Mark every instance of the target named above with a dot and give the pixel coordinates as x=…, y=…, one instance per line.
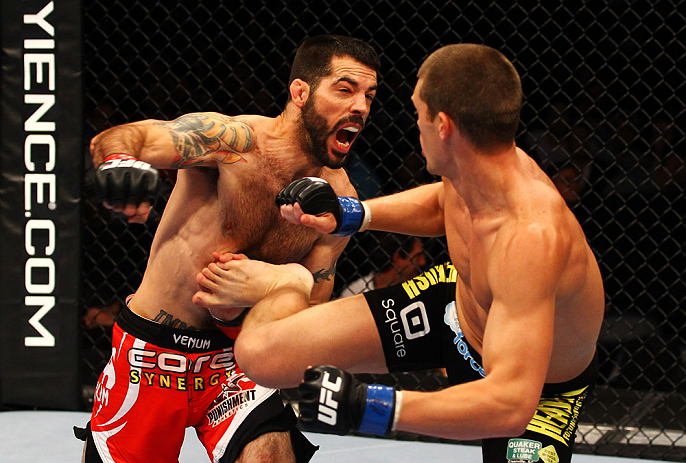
x=150, y=392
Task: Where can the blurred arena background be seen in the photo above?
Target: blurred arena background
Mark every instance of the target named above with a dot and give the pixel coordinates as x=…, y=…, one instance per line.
x=603, y=115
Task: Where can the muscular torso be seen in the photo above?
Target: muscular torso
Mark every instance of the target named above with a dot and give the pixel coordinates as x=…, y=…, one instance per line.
x=579, y=302
x=229, y=208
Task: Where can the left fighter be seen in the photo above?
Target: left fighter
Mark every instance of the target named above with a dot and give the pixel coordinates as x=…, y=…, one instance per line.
x=171, y=365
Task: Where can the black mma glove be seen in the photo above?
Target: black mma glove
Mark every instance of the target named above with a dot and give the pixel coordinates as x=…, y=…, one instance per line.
x=123, y=179
x=332, y=401
x=316, y=196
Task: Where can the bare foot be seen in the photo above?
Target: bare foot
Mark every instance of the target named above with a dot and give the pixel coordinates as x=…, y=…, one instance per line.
x=205, y=297
x=243, y=282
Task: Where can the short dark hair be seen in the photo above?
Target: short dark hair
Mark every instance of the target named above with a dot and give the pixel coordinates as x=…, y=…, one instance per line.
x=478, y=87
x=313, y=58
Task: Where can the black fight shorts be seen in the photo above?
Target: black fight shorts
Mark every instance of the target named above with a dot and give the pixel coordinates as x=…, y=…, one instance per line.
x=419, y=330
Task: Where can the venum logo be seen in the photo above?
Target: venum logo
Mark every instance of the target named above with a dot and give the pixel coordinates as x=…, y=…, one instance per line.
x=327, y=405
x=191, y=342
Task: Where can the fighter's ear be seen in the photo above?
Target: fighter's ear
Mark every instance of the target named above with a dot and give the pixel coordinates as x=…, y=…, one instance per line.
x=300, y=91
x=446, y=125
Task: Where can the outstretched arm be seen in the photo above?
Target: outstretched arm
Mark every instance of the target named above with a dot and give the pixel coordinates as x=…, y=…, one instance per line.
x=195, y=139
x=417, y=212
x=523, y=273
x=127, y=156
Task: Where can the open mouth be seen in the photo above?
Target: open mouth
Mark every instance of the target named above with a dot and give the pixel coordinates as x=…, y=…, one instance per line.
x=345, y=137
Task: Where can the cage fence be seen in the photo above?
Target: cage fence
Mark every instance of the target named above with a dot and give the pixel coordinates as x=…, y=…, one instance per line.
x=603, y=115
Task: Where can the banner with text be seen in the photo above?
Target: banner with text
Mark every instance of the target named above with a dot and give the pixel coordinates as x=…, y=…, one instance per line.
x=40, y=184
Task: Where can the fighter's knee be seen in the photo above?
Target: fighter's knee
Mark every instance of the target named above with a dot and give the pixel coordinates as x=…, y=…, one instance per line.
x=253, y=355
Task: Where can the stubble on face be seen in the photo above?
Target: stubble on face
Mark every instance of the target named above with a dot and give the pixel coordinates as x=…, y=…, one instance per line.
x=315, y=132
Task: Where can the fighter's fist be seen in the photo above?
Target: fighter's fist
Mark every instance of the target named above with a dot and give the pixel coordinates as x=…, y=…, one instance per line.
x=125, y=183
x=332, y=401
x=315, y=196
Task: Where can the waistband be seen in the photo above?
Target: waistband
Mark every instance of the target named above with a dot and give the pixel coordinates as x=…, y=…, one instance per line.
x=167, y=337
x=588, y=377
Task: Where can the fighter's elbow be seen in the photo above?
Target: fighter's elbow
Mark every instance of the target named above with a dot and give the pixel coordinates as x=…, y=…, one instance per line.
x=515, y=416
x=515, y=423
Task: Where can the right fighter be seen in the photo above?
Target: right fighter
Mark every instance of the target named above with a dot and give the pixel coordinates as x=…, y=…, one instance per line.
x=514, y=318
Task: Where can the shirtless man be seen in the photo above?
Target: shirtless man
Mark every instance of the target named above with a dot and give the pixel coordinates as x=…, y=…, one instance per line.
x=171, y=367
x=514, y=318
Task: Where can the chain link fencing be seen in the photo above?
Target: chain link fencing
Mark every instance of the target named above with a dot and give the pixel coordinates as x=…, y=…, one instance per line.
x=603, y=115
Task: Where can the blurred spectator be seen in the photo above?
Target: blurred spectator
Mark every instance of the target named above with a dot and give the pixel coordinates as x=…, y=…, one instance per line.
x=564, y=140
x=101, y=316
x=363, y=177
x=399, y=258
x=569, y=182
x=669, y=164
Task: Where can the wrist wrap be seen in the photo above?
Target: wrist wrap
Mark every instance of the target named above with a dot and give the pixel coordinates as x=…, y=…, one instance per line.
x=378, y=411
x=352, y=216
x=120, y=156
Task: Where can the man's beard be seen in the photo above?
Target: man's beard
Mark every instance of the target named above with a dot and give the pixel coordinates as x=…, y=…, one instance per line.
x=315, y=133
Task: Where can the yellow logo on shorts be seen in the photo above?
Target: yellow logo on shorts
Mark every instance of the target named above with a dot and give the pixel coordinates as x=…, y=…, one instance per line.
x=444, y=273
x=557, y=415
x=548, y=455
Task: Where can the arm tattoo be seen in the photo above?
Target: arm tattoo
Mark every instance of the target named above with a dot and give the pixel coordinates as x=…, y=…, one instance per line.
x=198, y=135
x=325, y=274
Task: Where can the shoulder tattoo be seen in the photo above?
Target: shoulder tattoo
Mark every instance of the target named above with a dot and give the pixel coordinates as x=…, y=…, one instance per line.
x=198, y=135
x=322, y=274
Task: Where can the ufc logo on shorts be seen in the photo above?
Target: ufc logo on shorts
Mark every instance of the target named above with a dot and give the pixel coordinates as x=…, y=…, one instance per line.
x=327, y=405
x=415, y=321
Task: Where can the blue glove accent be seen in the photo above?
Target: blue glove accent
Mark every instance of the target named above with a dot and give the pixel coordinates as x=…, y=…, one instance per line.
x=378, y=412
x=352, y=215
